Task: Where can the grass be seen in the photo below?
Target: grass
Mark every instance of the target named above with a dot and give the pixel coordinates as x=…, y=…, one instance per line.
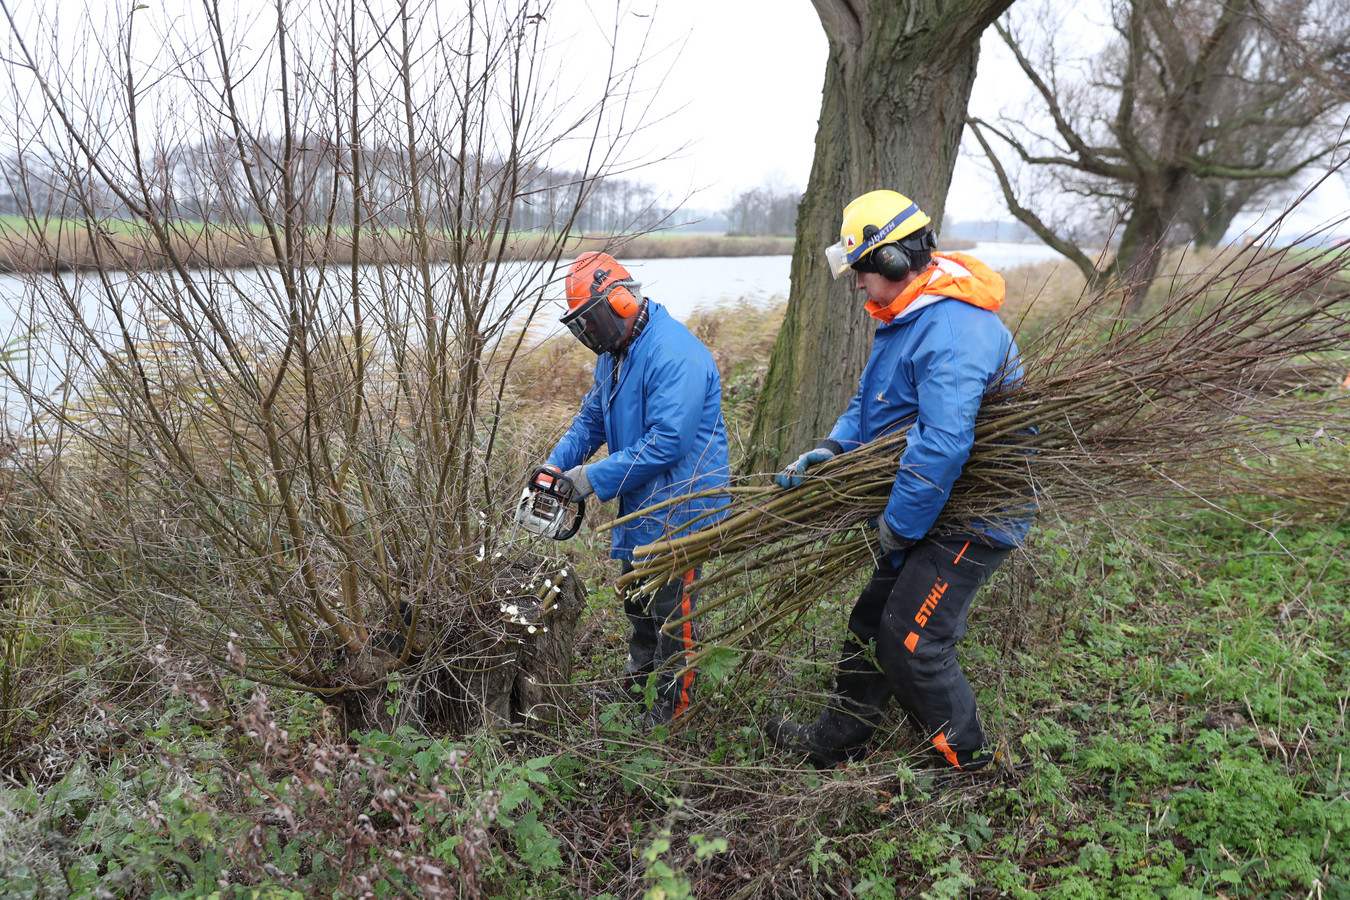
x=1171, y=688
x=1173, y=704
x=31, y=244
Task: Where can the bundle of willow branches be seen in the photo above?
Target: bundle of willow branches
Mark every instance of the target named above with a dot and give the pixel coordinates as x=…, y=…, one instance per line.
x=1230, y=389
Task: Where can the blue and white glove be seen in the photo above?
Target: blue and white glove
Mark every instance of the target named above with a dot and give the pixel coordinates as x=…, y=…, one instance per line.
x=794, y=474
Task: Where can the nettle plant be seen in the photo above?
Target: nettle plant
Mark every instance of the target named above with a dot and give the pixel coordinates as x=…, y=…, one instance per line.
x=275, y=279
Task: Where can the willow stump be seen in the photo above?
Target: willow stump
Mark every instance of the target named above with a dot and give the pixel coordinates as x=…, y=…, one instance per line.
x=527, y=670
x=499, y=658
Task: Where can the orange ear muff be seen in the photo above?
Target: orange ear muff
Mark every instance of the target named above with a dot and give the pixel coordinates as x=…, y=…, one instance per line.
x=622, y=300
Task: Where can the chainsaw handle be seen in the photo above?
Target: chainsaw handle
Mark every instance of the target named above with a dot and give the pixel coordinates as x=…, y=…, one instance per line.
x=581, y=514
x=558, y=485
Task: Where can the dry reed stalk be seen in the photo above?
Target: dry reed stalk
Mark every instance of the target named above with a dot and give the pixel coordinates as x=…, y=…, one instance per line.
x=1225, y=391
x=69, y=246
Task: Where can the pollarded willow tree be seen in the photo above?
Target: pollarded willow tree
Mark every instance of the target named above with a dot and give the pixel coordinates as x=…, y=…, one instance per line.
x=293, y=467
x=897, y=84
x=1193, y=110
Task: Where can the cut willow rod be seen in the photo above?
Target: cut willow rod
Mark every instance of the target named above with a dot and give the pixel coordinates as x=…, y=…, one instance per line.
x=828, y=554
x=817, y=584
x=1158, y=408
x=672, y=562
x=684, y=498
x=783, y=603
x=646, y=574
x=796, y=542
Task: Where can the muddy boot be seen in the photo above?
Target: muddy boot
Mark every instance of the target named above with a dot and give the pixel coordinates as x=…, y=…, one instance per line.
x=794, y=737
x=634, y=680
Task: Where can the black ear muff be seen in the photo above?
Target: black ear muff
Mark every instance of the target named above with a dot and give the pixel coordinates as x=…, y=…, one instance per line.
x=891, y=262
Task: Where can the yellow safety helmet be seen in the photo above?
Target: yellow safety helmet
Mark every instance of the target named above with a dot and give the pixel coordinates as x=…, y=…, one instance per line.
x=872, y=220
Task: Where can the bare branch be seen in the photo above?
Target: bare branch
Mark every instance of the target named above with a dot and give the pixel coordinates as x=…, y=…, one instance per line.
x=1026, y=216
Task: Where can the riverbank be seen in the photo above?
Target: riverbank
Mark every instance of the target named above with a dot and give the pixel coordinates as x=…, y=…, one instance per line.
x=69, y=245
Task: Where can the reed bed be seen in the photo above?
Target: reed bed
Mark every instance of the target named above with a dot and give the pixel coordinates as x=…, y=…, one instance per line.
x=1228, y=389
x=71, y=245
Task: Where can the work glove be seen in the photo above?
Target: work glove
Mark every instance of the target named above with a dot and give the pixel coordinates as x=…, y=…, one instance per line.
x=581, y=485
x=889, y=540
x=794, y=474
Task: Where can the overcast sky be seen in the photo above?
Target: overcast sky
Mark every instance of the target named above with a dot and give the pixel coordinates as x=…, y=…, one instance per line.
x=745, y=92
x=742, y=86
x=737, y=87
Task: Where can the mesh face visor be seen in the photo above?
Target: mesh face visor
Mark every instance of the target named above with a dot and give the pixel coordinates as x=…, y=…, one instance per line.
x=596, y=324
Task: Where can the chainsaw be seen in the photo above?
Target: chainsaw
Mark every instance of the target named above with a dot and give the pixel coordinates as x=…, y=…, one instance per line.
x=546, y=506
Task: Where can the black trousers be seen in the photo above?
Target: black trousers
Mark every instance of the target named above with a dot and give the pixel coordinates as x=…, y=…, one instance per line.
x=654, y=647
x=913, y=615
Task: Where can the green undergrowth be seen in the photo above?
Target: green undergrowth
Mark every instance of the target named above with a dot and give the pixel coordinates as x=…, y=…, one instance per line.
x=1185, y=736
x=1171, y=703
x=1169, y=688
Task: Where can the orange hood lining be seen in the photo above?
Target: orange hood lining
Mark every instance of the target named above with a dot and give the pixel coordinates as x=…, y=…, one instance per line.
x=953, y=275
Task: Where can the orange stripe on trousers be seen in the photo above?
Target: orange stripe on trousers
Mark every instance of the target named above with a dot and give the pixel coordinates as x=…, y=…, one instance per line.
x=940, y=742
x=687, y=680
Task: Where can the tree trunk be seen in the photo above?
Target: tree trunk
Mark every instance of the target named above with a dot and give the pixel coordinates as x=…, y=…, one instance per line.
x=1216, y=213
x=1220, y=204
x=1141, y=245
x=897, y=83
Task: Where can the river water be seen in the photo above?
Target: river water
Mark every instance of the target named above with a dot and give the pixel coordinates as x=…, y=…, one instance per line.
x=682, y=285
x=685, y=285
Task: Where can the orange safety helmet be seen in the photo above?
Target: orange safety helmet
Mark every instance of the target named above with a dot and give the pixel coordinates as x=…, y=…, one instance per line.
x=603, y=301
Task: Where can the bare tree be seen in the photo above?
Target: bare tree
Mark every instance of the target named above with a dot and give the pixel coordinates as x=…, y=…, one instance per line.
x=1194, y=109
x=770, y=208
x=295, y=469
x=897, y=83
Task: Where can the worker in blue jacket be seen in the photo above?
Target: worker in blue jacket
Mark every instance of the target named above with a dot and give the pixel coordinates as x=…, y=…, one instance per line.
x=657, y=405
x=939, y=351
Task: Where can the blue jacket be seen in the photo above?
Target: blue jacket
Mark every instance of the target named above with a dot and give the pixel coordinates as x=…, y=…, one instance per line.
x=663, y=425
x=932, y=366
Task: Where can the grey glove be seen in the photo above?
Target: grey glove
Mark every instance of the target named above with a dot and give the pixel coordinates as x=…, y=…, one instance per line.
x=890, y=541
x=581, y=484
x=794, y=474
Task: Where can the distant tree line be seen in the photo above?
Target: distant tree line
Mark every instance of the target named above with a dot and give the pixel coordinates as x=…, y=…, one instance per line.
x=208, y=181
x=765, y=210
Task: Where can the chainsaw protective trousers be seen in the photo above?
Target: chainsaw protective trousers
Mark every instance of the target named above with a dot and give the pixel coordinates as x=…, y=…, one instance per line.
x=913, y=616
x=657, y=645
